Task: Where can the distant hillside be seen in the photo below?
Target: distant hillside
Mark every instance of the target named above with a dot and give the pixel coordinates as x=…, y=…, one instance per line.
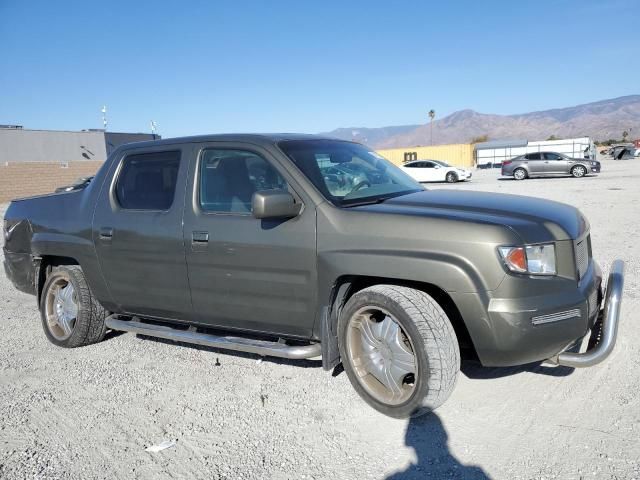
x=599, y=120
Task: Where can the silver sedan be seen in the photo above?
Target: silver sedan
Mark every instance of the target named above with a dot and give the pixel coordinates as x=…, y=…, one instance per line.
x=548, y=164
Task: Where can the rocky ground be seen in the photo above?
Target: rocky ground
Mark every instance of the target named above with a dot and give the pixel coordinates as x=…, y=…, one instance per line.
x=91, y=412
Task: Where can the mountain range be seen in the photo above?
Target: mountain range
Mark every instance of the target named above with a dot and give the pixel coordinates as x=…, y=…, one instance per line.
x=600, y=120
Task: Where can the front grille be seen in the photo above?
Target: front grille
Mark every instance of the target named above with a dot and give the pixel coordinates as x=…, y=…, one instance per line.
x=582, y=256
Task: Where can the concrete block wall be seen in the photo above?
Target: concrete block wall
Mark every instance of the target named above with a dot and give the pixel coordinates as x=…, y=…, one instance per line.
x=34, y=178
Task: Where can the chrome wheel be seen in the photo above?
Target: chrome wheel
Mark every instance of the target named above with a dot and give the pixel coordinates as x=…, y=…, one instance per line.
x=61, y=309
x=579, y=171
x=520, y=174
x=382, y=355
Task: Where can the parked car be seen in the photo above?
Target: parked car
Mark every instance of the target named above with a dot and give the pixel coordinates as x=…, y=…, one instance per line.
x=548, y=164
x=435, y=171
x=240, y=242
x=623, y=152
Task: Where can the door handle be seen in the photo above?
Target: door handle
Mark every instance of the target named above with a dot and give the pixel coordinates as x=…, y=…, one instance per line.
x=200, y=237
x=106, y=233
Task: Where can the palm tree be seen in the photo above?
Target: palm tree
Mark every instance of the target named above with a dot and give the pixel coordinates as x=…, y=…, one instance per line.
x=432, y=114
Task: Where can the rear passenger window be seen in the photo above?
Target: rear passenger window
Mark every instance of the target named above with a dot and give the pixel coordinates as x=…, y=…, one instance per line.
x=229, y=178
x=533, y=156
x=147, y=181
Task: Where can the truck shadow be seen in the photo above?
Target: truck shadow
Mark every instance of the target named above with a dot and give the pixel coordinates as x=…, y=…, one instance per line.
x=474, y=370
x=428, y=438
x=469, y=367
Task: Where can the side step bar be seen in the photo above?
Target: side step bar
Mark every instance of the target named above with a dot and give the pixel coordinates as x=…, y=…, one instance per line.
x=259, y=347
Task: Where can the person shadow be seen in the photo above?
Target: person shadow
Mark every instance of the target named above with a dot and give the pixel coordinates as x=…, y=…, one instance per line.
x=429, y=439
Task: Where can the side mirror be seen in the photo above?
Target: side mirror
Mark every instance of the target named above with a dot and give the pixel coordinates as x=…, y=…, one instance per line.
x=274, y=204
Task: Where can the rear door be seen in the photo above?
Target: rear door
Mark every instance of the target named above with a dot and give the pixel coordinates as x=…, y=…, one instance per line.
x=246, y=273
x=137, y=232
x=413, y=169
x=535, y=163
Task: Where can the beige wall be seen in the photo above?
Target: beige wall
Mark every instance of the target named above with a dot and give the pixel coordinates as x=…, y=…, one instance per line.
x=33, y=178
x=459, y=155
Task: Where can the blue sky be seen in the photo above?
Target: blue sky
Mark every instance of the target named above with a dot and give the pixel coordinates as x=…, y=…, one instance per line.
x=206, y=66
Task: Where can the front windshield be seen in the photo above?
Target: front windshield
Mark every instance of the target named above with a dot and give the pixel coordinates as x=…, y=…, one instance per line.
x=348, y=173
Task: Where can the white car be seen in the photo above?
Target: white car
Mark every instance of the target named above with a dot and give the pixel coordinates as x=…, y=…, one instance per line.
x=435, y=171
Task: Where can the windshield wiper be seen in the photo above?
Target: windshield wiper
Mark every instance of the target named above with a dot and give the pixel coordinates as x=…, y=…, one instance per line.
x=365, y=202
x=374, y=201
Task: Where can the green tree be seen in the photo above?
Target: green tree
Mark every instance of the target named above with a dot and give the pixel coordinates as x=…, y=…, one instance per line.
x=480, y=138
x=553, y=137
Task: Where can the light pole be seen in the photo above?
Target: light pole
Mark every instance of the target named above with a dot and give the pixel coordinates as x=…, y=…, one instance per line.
x=432, y=114
x=104, y=117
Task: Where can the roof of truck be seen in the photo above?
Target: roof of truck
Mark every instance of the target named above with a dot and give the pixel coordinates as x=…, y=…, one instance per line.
x=256, y=138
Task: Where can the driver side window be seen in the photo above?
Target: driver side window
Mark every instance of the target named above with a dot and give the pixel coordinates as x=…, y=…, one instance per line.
x=229, y=178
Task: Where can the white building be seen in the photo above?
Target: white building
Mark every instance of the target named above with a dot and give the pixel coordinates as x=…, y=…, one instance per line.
x=494, y=152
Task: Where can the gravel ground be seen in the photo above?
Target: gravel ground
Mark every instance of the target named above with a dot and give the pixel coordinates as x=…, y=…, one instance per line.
x=91, y=412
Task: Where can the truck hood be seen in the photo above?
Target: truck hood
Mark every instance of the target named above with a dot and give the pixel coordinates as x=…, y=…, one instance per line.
x=533, y=219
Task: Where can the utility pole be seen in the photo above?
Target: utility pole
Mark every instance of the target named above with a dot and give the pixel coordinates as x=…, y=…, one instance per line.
x=432, y=114
x=104, y=117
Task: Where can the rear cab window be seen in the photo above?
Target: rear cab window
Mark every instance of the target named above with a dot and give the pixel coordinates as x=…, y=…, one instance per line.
x=147, y=181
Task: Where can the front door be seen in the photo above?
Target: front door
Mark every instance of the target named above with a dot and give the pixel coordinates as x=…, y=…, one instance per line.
x=137, y=232
x=555, y=163
x=246, y=273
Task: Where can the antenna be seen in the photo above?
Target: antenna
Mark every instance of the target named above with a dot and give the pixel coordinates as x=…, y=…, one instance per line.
x=104, y=116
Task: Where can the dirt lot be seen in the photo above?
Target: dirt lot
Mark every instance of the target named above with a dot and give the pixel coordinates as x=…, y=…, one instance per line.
x=91, y=412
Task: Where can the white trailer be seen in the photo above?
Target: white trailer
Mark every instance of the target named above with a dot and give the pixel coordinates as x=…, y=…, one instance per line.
x=493, y=153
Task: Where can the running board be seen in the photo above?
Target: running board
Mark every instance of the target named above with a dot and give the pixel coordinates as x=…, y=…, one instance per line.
x=259, y=347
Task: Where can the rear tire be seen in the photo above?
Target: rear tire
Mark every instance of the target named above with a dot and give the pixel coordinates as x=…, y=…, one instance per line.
x=520, y=174
x=451, y=177
x=71, y=315
x=578, y=171
x=403, y=337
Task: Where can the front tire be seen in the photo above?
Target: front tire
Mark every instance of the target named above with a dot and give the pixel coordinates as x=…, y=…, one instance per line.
x=399, y=350
x=451, y=177
x=578, y=171
x=71, y=316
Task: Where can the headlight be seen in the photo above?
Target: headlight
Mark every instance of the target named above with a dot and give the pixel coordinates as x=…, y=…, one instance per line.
x=531, y=259
x=594, y=163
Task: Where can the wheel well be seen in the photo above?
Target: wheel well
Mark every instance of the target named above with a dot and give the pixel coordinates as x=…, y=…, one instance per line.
x=47, y=262
x=357, y=283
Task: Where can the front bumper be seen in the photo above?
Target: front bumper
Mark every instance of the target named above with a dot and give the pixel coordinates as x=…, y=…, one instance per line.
x=605, y=331
x=595, y=168
x=525, y=320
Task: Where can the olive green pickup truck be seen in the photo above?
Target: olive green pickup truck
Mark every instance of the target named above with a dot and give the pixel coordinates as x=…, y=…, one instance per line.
x=255, y=243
